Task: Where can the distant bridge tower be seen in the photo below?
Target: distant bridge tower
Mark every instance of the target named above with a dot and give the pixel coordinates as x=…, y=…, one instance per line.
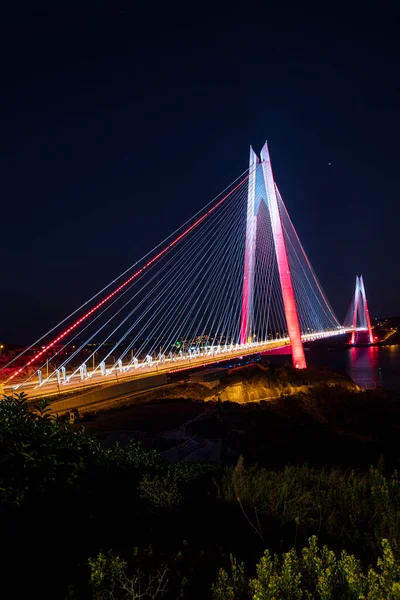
x=289, y=301
x=360, y=312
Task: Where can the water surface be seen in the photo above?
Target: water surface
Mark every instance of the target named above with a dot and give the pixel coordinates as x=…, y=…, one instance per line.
x=368, y=367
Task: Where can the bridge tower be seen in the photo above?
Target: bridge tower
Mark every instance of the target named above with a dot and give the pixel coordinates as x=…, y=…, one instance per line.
x=360, y=309
x=289, y=301
x=367, y=317
x=249, y=255
x=355, y=310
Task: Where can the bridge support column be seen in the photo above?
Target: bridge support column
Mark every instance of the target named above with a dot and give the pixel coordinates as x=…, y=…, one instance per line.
x=289, y=301
x=360, y=311
x=356, y=301
x=83, y=371
x=367, y=318
x=249, y=254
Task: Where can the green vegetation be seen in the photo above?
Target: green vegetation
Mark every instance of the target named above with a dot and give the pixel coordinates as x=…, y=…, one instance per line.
x=82, y=521
x=315, y=573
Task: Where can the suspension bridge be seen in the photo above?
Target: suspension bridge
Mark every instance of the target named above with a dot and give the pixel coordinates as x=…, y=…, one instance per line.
x=232, y=281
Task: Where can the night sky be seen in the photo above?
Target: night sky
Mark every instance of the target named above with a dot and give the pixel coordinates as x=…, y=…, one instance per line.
x=117, y=126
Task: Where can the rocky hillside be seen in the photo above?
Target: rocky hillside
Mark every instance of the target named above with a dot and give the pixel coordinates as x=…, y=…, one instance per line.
x=256, y=383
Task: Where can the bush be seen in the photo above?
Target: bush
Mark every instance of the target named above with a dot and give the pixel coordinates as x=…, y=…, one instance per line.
x=349, y=509
x=317, y=573
x=109, y=580
x=161, y=491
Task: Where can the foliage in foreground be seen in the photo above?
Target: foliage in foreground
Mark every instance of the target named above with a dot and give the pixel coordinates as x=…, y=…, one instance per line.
x=350, y=509
x=44, y=456
x=62, y=486
x=315, y=574
x=109, y=580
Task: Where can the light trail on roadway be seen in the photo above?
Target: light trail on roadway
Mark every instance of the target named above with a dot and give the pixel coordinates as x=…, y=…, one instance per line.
x=120, y=373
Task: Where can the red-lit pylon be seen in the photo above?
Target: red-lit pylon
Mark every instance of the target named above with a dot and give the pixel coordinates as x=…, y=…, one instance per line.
x=355, y=309
x=289, y=300
x=366, y=311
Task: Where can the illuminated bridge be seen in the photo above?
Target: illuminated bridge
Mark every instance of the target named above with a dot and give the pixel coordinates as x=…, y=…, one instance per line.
x=233, y=280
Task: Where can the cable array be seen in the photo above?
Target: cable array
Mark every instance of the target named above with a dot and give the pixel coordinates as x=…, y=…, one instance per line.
x=315, y=312
x=184, y=298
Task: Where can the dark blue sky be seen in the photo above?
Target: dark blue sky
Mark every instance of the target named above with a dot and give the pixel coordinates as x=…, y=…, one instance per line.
x=116, y=126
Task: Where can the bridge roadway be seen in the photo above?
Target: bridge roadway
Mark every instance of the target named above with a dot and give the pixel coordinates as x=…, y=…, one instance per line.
x=75, y=385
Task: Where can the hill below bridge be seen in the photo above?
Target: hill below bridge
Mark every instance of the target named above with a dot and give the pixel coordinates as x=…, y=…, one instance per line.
x=271, y=415
x=250, y=383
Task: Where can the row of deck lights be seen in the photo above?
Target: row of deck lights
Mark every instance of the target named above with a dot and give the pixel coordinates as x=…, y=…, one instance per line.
x=62, y=378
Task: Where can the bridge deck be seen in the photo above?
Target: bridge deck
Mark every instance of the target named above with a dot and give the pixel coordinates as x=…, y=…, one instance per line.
x=75, y=385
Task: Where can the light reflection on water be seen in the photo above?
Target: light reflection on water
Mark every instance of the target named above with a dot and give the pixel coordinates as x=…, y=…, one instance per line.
x=363, y=366
x=368, y=367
